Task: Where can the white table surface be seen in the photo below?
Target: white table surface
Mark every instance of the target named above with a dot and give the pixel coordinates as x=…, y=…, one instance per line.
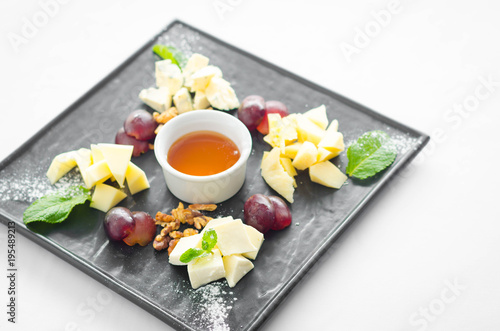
x=424, y=254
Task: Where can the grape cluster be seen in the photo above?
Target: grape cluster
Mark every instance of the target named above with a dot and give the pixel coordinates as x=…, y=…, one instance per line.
x=138, y=130
x=254, y=109
x=266, y=213
x=136, y=227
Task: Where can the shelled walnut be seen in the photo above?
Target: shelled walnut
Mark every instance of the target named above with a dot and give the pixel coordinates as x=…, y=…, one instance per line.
x=170, y=234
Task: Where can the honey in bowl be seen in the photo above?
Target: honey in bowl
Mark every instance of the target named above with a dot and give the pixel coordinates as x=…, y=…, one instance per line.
x=203, y=153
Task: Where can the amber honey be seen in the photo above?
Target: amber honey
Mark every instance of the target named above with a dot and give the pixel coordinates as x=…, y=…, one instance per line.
x=203, y=153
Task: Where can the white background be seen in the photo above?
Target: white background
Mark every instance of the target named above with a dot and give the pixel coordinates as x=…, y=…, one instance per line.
x=423, y=256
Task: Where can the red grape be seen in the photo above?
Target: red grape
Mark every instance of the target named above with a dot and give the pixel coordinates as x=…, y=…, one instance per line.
x=259, y=212
x=140, y=146
x=282, y=214
x=272, y=107
x=140, y=124
x=145, y=229
x=251, y=111
x=118, y=223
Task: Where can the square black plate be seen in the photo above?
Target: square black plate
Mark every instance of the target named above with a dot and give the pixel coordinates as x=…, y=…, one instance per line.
x=140, y=273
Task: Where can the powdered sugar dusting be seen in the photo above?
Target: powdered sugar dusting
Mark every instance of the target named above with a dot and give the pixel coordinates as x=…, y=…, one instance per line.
x=28, y=187
x=214, y=307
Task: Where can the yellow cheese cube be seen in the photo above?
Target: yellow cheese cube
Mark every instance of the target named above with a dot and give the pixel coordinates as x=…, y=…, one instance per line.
x=236, y=267
x=117, y=158
x=97, y=173
x=83, y=158
x=136, y=179
x=182, y=246
x=256, y=238
x=287, y=165
x=308, y=131
x=333, y=141
x=206, y=269
x=327, y=174
x=96, y=153
x=106, y=197
x=216, y=221
x=290, y=151
x=325, y=155
x=60, y=166
x=306, y=156
x=318, y=116
x=275, y=176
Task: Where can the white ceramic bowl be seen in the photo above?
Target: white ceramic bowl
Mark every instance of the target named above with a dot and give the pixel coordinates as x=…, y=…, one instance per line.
x=204, y=189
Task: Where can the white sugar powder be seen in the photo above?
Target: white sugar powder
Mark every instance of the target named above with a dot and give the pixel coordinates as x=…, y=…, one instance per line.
x=213, y=307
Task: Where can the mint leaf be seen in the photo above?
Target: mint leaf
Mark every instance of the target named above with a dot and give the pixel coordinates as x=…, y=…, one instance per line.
x=56, y=207
x=208, y=243
x=209, y=240
x=191, y=254
x=170, y=53
x=372, y=153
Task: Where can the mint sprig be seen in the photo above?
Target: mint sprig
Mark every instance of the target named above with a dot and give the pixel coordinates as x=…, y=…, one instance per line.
x=171, y=53
x=370, y=154
x=56, y=207
x=208, y=243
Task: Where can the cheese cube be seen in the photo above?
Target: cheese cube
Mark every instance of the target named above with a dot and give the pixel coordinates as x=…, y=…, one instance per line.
x=202, y=77
x=206, y=269
x=287, y=165
x=117, y=158
x=106, y=197
x=327, y=174
x=182, y=101
x=306, y=156
x=256, y=238
x=221, y=95
x=97, y=173
x=168, y=75
x=96, y=153
x=200, y=100
x=236, y=267
x=60, y=166
x=290, y=151
x=194, y=63
x=216, y=221
x=182, y=246
x=136, y=179
x=308, y=131
x=232, y=238
x=159, y=99
x=325, y=155
x=333, y=141
x=83, y=158
x=318, y=116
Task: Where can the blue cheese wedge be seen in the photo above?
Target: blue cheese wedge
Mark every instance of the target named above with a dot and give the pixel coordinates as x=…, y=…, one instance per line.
x=182, y=101
x=200, y=100
x=236, y=267
x=168, y=75
x=202, y=77
x=221, y=95
x=206, y=269
x=194, y=63
x=159, y=99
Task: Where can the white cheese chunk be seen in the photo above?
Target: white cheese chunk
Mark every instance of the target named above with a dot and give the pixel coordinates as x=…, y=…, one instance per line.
x=236, y=267
x=202, y=77
x=221, y=95
x=200, y=100
x=194, y=63
x=136, y=179
x=182, y=101
x=97, y=173
x=117, y=157
x=232, y=238
x=183, y=245
x=106, y=197
x=60, y=166
x=256, y=238
x=159, y=99
x=206, y=269
x=96, y=153
x=216, y=221
x=168, y=75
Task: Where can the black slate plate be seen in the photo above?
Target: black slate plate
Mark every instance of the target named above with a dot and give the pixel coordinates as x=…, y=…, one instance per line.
x=143, y=275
